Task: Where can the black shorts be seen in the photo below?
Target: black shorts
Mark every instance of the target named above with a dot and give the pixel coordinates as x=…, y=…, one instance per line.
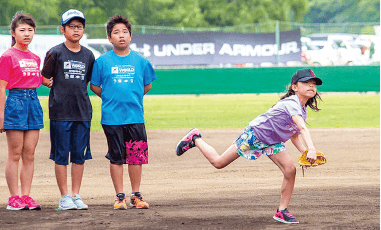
x=127, y=144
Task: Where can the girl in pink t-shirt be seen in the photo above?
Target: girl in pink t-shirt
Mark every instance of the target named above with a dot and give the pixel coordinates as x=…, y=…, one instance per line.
x=21, y=115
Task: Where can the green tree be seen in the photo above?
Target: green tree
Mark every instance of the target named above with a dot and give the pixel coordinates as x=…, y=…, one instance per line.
x=323, y=11
x=236, y=12
x=44, y=11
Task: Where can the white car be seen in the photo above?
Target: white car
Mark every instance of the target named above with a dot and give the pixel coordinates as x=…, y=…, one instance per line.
x=314, y=56
x=101, y=45
x=331, y=37
x=350, y=53
x=328, y=49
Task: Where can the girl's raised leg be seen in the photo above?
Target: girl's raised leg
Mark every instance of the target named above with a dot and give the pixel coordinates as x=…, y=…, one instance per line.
x=212, y=156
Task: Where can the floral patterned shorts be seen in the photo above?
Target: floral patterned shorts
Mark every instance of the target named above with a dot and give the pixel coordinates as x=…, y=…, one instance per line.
x=249, y=147
x=127, y=144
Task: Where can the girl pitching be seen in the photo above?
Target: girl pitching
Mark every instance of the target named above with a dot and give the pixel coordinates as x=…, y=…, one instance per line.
x=20, y=113
x=267, y=133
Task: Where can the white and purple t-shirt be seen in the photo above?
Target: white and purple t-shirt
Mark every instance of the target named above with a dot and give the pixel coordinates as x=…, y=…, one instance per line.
x=276, y=125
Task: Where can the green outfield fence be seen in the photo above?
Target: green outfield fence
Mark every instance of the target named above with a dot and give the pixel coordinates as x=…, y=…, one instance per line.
x=257, y=80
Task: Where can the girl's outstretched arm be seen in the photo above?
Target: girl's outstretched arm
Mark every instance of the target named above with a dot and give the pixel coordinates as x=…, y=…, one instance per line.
x=298, y=143
x=311, y=155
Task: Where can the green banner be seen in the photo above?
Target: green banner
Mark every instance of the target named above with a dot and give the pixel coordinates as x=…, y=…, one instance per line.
x=257, y=80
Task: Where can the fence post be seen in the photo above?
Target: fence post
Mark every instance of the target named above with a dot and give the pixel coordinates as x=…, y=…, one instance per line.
x=277, y=40
x=143, y=29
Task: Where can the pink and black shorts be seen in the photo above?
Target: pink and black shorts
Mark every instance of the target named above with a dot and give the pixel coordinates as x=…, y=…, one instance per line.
x=127, y=144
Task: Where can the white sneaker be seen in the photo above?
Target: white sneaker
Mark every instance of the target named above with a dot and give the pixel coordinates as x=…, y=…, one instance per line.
x=66, y=203
x=79, y=203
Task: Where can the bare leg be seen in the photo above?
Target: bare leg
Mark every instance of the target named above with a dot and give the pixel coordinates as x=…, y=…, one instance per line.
x=212, y=156
x=61, y=177
x=76, y=177
x=27, y=164
x=15, y=138
x=116, y=172
x=135, y=173
x=284, y=162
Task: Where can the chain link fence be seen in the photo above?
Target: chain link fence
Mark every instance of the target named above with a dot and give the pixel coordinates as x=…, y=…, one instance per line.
x=99, y=31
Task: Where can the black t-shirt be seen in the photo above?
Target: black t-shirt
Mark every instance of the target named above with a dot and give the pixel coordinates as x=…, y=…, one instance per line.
x=71, y=72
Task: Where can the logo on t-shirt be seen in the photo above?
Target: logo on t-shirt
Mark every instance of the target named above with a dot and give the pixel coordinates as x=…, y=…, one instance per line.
x=28, y=63
x=67, y=65
x=123, y=73
x=74, y=65
x=127, y=69
x=114, y=70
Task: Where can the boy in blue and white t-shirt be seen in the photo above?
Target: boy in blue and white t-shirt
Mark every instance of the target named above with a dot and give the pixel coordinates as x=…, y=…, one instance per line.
x=121, y=77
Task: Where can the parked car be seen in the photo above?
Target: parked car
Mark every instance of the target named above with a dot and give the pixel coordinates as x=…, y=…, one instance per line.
x=350, y=52
x=331, y=37
x=101, y=45
x=314, y=56
x=328, y=49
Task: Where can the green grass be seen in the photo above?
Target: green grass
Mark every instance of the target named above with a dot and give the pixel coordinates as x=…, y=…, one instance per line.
x=236, y=111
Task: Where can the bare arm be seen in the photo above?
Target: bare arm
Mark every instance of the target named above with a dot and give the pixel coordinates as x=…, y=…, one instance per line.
x=298, y=143
x=311, y=155
x=47, y=82
x=147, y=88
x=96, y=89
x=3, y=86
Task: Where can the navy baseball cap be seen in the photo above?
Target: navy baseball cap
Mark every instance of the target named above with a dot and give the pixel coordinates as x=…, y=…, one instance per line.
x=72, y=14
x=305, y=75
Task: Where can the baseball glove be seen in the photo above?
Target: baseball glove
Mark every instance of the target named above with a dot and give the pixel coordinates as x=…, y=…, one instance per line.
x=303, y=162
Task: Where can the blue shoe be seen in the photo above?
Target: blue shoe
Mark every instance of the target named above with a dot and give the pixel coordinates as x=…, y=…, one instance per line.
x=79, y=203
x=66, y=203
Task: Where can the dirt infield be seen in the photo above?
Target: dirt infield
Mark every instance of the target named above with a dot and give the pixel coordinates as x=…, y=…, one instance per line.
x=188, y=193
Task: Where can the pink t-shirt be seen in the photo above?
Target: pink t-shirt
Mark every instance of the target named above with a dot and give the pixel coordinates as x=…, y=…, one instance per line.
x=21, y=69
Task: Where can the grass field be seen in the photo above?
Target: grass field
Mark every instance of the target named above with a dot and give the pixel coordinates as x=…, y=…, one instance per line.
x=236, y=111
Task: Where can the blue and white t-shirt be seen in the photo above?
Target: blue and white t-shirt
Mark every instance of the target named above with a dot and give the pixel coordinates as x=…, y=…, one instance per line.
x=276, y=125
x=122, y=80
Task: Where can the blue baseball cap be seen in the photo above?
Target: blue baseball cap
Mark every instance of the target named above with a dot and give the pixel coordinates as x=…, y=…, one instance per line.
x=72, y=14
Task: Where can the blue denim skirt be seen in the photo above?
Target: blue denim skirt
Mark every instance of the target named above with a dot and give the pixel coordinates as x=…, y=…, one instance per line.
x=23, y=110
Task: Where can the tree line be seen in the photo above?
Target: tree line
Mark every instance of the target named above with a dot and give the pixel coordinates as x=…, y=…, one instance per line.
x=196, y=13
x=176, y=13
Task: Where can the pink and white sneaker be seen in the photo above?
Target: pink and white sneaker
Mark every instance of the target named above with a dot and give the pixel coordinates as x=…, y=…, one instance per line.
x=187, y=142
x=32, y=204
x=16, y=203
x=285, y=216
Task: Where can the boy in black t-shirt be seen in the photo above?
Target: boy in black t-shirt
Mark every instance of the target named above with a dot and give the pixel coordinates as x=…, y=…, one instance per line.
x=67, y=71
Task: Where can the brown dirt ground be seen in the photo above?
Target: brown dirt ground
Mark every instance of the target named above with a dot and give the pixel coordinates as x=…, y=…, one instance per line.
x=188, y=193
